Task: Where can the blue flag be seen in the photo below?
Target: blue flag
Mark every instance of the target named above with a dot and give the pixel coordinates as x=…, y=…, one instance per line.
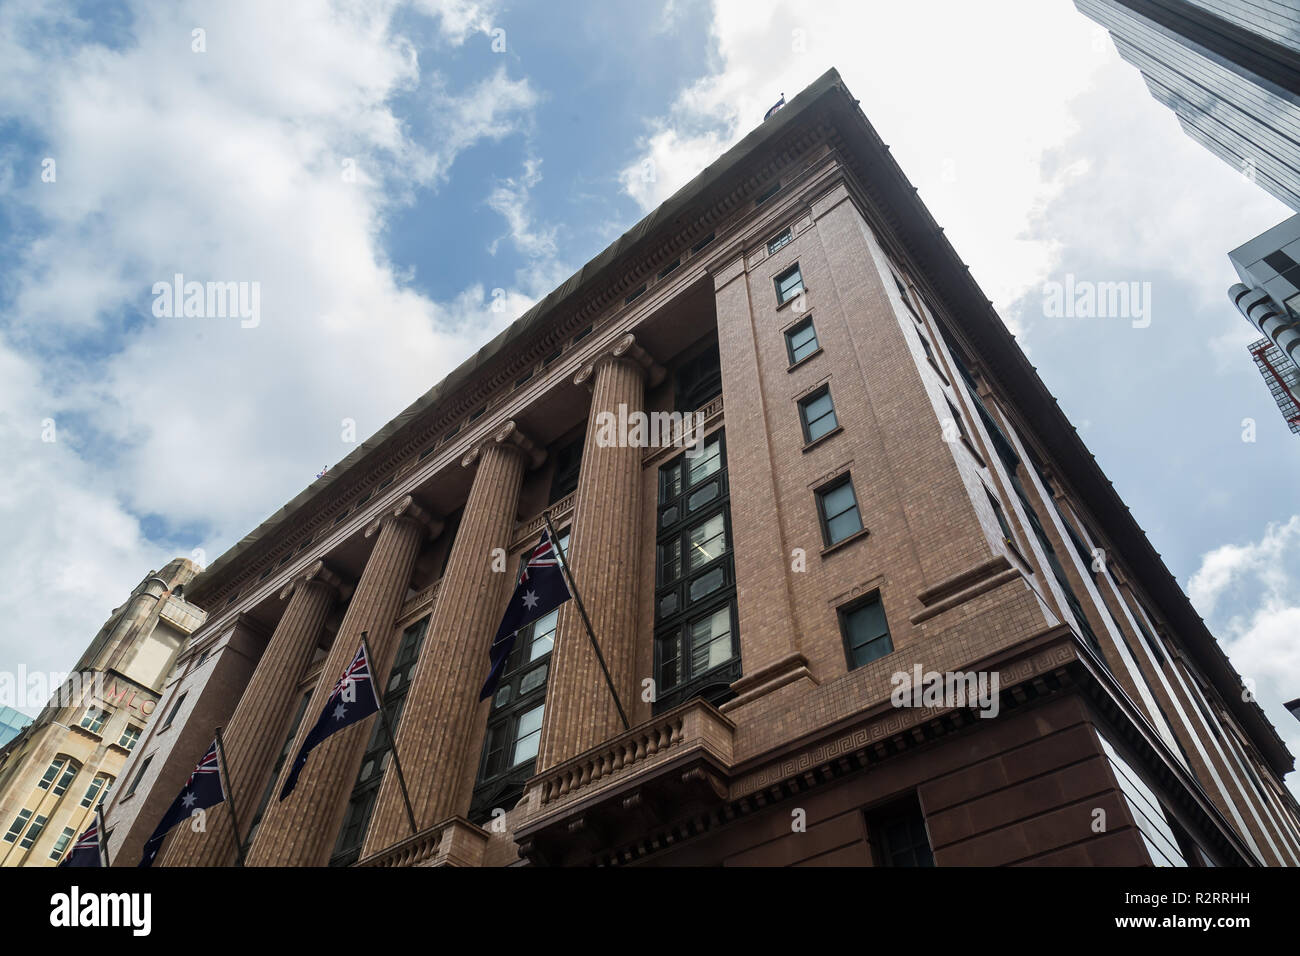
x=352, y=699
x=85, y=852
x=201, y=791
x=772, y=112
x=541, y=589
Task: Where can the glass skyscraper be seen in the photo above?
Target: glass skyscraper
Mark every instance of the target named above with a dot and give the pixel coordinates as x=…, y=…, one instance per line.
x=1230, y=71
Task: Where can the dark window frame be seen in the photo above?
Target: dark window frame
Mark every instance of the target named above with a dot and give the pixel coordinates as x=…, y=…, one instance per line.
x=845, y=613
x=824, y=519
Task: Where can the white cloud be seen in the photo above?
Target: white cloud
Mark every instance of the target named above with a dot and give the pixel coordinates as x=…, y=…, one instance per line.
x=1251, y=592
x=510, y=198
x=223, y=165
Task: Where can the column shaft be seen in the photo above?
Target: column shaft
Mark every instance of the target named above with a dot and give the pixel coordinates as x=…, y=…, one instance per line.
x=606, y=565
x=440, y=734
x=301, y=830
x=255, y=732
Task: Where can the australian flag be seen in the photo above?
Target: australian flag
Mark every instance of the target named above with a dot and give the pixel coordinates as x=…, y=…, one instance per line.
x=352, y=699
x=772, y=112
x=85, y=852
x=201, y=791
x=541, y=589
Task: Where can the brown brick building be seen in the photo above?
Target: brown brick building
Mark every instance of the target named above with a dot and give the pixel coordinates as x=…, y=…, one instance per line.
x=885, y=489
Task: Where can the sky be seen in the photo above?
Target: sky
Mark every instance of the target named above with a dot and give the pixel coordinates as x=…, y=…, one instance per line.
x=403, y=179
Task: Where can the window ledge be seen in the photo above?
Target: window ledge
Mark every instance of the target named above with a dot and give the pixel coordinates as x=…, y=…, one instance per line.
x=806, y=359
x=823, y=438
x=845, y=542
x=794, y=298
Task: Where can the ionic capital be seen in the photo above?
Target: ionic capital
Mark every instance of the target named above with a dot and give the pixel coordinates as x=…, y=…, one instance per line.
x=319, y=571
x=509, y=438
x=628, y=351
x=407, y=510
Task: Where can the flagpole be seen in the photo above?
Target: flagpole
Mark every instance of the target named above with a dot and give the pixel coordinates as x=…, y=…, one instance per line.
x=577, y=598
x=230, y=798
x=392, y=740
x=103, y=834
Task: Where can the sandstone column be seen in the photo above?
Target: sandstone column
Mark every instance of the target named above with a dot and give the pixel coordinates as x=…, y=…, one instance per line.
x=255, y=732
x=606, y=565
x=440, y=736
x=301, y=830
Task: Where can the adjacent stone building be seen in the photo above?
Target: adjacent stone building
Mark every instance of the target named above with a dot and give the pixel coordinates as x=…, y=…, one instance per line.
x=885, y=502
x=62, y=764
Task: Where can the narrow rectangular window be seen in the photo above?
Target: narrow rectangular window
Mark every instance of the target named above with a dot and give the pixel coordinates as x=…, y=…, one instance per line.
x=51, y=772
x=130, y=737
x=866, y=632
x=144, y=768
x=898, y=836
x=171, y=715
x=62, y=842
x=801, y=341
x=16, y=827
x=817, y=414
x=92, y=791
x=837, y=506
x=1002, y=518
x=780, y=241
x=65, y=781
x=788, y=284
x=94, y=718
x=33, y=832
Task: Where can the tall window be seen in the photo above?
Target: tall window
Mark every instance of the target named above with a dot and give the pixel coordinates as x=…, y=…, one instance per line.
x=898, y=836
x=144, y=768
x=697, y=651
x=16, y=827
x=171, y=714
x=801, y=341
x=94, y=789
x=788, y=284
x=62, y=842
x=275, y=772
x=52, y=772
x=33, y=832
x=93, y=719
x=817, y=414
x=130, y=737
x=514, y=728
x=568, y=466
x=866, y=632
x=837, y=507
x=698, y=380
x=66, y=778
x=366, y=789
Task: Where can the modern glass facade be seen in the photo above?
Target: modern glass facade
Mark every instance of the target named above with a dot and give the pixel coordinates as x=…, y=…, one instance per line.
x=11, y=722
x=1230, y=71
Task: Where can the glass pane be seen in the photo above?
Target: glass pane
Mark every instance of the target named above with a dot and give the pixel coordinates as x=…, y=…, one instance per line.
x=873, y=649
x=532, y=680
x=822, y=426
x=670, y=483
x=710, y=641
x=543, y=635
x=706, y=584
x=503, y=696
x=867, y=623
x=838, y=500
x=703, y=496
x=528, y=736
x=819, y=406
x=668, y=604
x=707, y=542
x=842, y=526
x=668, y=517
x=670, y=652
x=670, y=561
x=709, y=461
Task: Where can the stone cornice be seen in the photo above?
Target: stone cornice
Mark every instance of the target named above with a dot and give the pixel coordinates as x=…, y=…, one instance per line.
x=628, y=351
